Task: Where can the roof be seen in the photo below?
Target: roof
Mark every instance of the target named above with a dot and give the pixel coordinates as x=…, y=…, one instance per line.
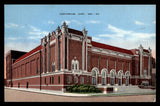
x=29, y=53
x=105, y=46
x=145, y=50
x=75, y=31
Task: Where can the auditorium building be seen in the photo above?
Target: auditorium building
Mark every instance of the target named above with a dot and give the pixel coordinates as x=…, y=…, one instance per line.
x=67, y=56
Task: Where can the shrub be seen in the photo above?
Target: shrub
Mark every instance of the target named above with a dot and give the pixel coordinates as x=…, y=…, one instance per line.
x=83, y=88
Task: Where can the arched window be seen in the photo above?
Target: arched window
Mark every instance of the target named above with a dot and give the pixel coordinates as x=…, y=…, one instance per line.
x=75, y=79
x=112, y=77
x=120, y=73
x=75, y=65
x=103, y=76
x=94, y=77
x=127, y=78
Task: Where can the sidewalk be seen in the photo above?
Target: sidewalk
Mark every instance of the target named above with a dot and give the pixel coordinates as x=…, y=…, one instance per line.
x=60, y=93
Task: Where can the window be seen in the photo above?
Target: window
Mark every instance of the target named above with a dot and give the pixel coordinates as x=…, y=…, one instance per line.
x=112, y=75
x=87, y=79
x=94, y=77
x=53, y=66
x=127, y=78
x=120, y=78
x=75, y=65
x=52, y=80
x=75, y=79
x=88, y=61
x=58, y=79
x=69, y=79
x=103, y=77
x=72, y=66
x=82, y=80
x=145, y=73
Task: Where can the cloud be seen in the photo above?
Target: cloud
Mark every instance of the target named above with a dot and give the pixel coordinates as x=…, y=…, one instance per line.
x=13, y=38
x=21, y=46
x=139, y=23
x=67, y=22
x=95, y=38
x=35, y=31
x=51, y=22
x=143, y=35
x=93, y=21
x=34, y=28
x=126, y=38
x=72, y=21
x=13, y=25
x=10, y=25
x=76, y=22
x=154, y=22
x=117, y=32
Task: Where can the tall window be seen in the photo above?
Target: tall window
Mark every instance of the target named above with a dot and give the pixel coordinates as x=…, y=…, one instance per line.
x=58, y=79
x=145, y=73
x=75, y=65
x=103, y=77
x=127, y=78
x=82, y=80
x=69, y=79
x=120, y=78
x=53, y=66
x=94, y=77
x=52, y=80
x=112, y=77
x=75, y=79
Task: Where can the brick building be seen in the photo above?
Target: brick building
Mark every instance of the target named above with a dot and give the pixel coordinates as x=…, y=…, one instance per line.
x=67, y=56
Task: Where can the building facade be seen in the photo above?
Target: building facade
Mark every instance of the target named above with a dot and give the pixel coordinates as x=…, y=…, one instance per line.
x=67, y=56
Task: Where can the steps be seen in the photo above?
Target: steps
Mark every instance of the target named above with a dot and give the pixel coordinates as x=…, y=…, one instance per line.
x=132, y=89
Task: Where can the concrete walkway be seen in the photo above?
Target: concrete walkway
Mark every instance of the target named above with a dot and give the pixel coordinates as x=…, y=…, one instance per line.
x=60, y=93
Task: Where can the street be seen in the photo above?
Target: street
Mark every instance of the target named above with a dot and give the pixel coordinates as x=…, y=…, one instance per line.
x=11, y=95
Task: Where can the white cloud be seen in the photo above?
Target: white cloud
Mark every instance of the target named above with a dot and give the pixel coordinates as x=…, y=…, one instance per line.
x=76, y=22
x=126, y=38
x=139, y=23
x=11, y=25
x=143, y=35
x=67, y=22
x=154, y=22
x=51, y=22
x=95, y=38
x=117, y=32
x=34, y=28
x=93, y=21
x=21, y=46
x=12, y=38
x=37, y=33
x=72, y=21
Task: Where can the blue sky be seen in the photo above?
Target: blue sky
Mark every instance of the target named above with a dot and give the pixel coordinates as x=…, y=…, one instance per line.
x=125, y=26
